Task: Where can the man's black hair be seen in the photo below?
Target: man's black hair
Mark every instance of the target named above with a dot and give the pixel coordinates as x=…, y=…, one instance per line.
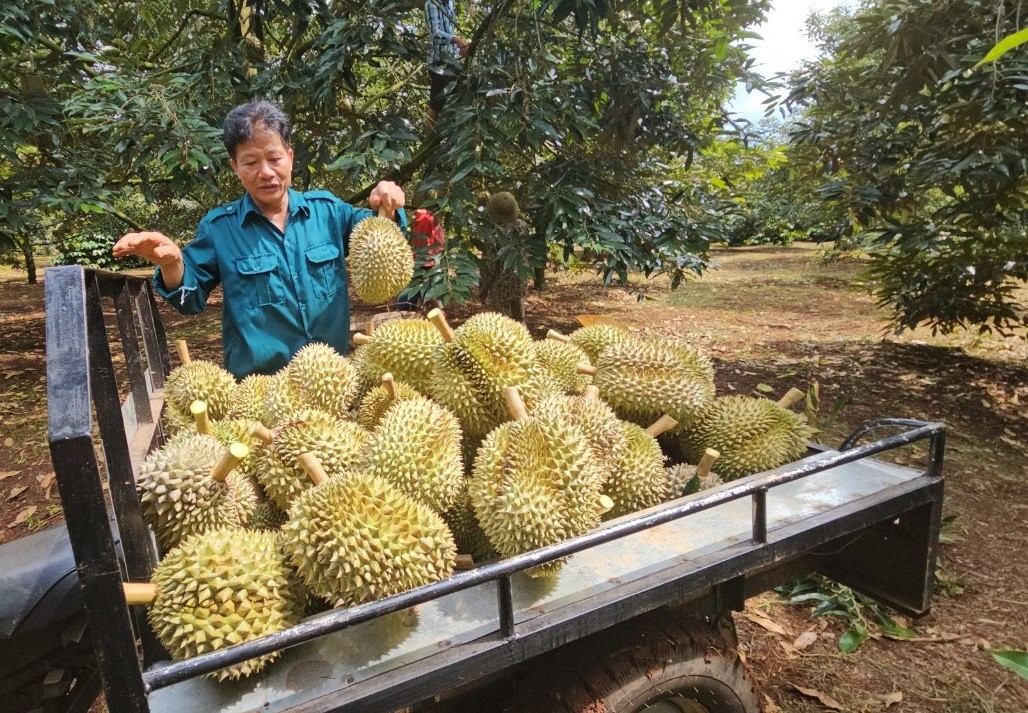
x=246, y=120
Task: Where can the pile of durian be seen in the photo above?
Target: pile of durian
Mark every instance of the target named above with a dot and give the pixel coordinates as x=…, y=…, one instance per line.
x=344, y=479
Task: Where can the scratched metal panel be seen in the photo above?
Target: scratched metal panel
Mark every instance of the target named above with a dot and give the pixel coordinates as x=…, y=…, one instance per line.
x=334, y=661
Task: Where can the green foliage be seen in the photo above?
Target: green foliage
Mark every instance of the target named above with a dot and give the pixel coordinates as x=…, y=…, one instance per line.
x=861, y=614
x=925, y=155
x=1012, y=660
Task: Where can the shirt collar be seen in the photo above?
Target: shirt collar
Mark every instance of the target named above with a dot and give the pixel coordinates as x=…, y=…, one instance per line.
x=297, y=206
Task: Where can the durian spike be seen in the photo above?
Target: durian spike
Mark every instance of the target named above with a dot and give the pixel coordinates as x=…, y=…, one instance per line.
x=183, y=351
x=436, y=317
x=464, y=562
x=664, y=423
x=235, y=453
x=586, y=369
x=310, y=463
x=390, y=385
x=792, y=397
x=200, y=416
x=360, y=339
x=139, y=592
x=557, y=336
x=606, y=504
x=262, y=432
x=515, y=404
x=592, y=391
x=707, y=462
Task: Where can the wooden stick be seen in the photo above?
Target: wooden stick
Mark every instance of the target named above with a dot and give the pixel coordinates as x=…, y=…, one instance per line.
x=360, y=339
x=592, y=391
x=312, y=465
x=436, y=317
x=183, y=351
x=557, y=336
x=464, y=562
x=586, y=369
x=792, y=397
x=262, y=432
x=606, y=504
x=139, y=592
x=235, y=453
x=515, y=404
x=707, y=462
x=664, y=423
x=390, y=385
x=200, y=417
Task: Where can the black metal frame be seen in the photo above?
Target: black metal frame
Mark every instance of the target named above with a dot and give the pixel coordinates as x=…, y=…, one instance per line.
x=80, y=374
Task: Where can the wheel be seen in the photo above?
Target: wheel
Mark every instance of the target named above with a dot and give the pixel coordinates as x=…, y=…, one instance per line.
x=663, y=662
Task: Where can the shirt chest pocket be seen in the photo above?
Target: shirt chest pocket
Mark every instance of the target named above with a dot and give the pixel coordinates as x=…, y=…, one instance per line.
x=261, y=284
x=328, y=274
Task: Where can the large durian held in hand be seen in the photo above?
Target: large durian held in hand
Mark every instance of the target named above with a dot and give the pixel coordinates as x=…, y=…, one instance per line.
x=751, y=434
x=380, y=259
x=190, y=486
x=221, y=588
x=355, y=538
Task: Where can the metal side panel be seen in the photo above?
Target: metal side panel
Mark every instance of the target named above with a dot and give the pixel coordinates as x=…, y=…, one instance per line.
x=320, y=668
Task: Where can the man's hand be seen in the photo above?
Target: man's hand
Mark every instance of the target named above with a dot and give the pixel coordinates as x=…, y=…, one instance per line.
x=156, y=248
x=387, y=197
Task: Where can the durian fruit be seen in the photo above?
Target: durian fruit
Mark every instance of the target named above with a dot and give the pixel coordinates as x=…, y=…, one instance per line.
x=417, y=447
x=189, y=486
x=638, y=479
x=560, y=361
x=751, y=434
x=247, y=400
x=339, y=445
x=266, y=516
x=535, y=483
x=467, y=533
x=644, y=379
x=380, y=259
x=322, y=379
x=378, y=400
x=281, y=401
x=199, y=380
x=685, y=479
x=221, y=588
x=594, y=339
x=404, y=348
x=604, y=432
x=355, y=538
x=252, y=434
x=486, y=354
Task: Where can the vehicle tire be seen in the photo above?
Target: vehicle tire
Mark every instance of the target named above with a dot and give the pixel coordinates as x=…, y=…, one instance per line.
x=663, y=662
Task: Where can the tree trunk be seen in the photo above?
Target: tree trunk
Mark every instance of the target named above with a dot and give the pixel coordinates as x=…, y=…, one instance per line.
x=30, y=260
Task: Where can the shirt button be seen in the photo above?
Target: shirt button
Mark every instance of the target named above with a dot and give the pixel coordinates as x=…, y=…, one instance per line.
x=303, y=306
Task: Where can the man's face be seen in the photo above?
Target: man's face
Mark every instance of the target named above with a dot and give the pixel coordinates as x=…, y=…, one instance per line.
x=265, y=167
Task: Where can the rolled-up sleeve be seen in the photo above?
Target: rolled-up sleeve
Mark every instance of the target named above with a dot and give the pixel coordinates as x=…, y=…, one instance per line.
x=199, y=278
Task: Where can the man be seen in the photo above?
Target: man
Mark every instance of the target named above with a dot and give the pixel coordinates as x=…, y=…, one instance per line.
x=443, y=53
x=279, y=254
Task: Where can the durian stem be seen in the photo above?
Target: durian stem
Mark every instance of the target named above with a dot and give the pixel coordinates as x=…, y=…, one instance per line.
x=139, y=592
x=369, y=326
x=390, y=385
x=310, y=463
x=792, y=397
x=606, y=504
x=592, y=391
x=183, y=351
x=464, y=562
x=200, y=417
x=360, y=339
x=515, y=404
x=235, y=453
x=436, y=317
x=557, y=336
x=707, y=462
x=262, y=432
x=586, y=369
x=662, y=424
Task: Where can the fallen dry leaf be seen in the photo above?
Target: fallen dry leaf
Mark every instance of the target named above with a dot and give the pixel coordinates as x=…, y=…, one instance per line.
x=16, y=491
x=9, y=442
x=763, y=621
x=804, y=640
x=891, y=699
x=770, y=706
x=825, y=700
x=23, y=516
x=8, y=474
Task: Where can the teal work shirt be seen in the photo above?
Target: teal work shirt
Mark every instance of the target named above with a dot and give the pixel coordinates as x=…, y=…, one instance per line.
x=282, y=291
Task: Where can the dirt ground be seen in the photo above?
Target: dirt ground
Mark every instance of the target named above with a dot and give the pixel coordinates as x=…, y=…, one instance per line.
x=771, y=318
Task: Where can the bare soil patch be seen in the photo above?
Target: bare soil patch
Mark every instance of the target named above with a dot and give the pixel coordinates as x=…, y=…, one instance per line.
x=773, y=317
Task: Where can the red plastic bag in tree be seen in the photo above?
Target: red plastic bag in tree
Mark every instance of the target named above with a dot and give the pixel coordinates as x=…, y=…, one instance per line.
x=426, y=232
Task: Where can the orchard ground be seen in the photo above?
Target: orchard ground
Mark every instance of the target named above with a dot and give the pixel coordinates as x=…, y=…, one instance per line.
x=771, y=318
